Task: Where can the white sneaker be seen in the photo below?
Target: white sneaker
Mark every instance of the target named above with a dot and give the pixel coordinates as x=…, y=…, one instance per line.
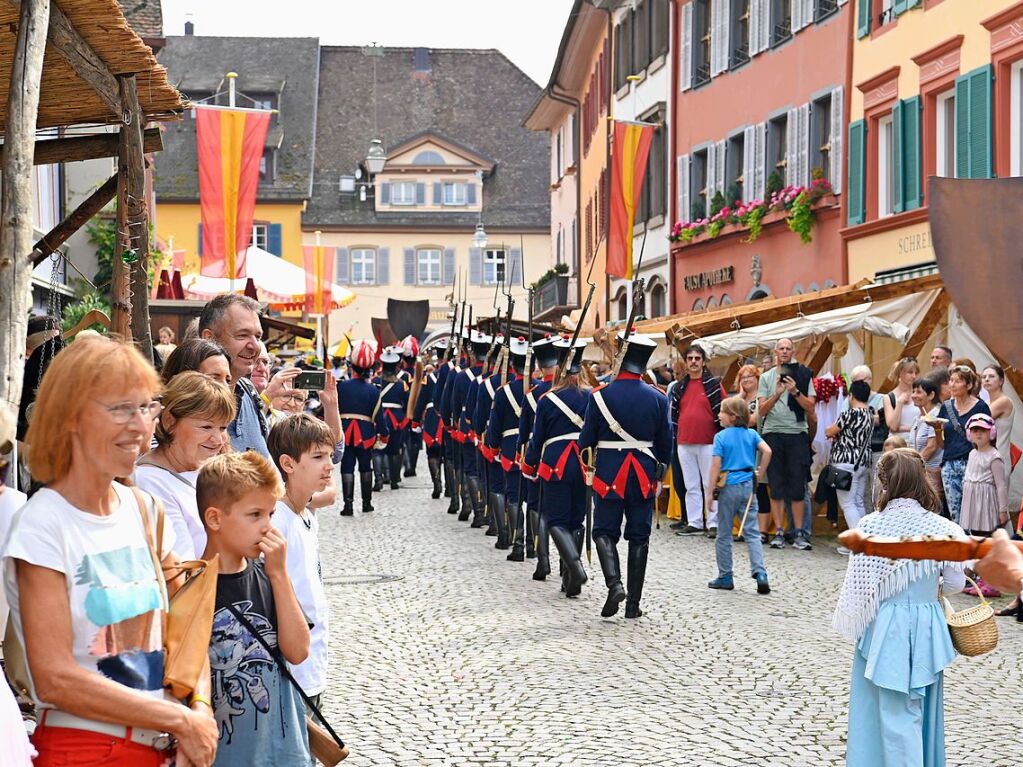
x=843, y=551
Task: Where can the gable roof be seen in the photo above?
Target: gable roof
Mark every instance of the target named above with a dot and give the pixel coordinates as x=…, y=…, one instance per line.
x=286, y=66
x=427, y=137
x=472, y=98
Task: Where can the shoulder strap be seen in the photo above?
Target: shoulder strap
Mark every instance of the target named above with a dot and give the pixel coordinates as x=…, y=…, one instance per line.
x=515, y=406
x=154, y=552
x=143, y=462
x=612, y=423
x=275, y=653
x=953, y=417
x=570, y=414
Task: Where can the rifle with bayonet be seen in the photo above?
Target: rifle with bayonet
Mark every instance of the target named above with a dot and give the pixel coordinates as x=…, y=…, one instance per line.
x=637, y=291
x=559, y=378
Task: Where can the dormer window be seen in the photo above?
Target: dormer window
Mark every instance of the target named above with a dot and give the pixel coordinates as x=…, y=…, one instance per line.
x=403, y=193
x=428, y=157
x=455, y=193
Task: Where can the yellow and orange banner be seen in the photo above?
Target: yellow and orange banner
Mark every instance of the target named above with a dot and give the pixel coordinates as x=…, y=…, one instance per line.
x=230, y=145
x=628, y=167
x=319, y=276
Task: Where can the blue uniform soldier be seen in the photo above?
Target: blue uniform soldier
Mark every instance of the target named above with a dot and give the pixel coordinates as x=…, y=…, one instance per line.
x=463, y=402
x=446, y=377
x=503, y=436
x=490, y=467
x=413, y=437
x=626, y=424
x=394, y=407
x=426, y=418
x=362, y=423
x=552, y=455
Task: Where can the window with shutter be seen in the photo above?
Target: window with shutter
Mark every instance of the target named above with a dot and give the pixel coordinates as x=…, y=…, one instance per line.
x=857, y=172
x=760, y=162
x=837, y=123
x=863, y=11
x=716, y=38
x=494, y=267
x=792, y=148
x=514, y=267
x=804, y=145
x=711, y=184
x=274, y=237
x=973, y=123
x=756, y=25
x=384, y=266
x=798, y=22
x=449, y=275
x=401, y=193
x=475, y=266
x=887, y=180
x=699, y=183
x=660, y=26
x=438, y=193
x=897, y=176
x=682, y=180
x=912, y=192
x=429, y=264
x=738, y=33
x=735, y=159
x=470, y=194
x=702, y=53
x=420, y=194
x=749, y=151
x=724, y=32
x=685, y=53
x=341, y=272
x=719, y=172
x=641, y=35
x=410, y=266
x=364, y=262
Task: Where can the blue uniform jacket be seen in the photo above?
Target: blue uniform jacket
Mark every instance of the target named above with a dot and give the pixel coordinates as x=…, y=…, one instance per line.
x=426, y=413
x=358, y=397
x=529, y=405
x=643, y=412
x=462, y=384
x=503, y=429
x=394, y=405
x=489, y=387
x=446, y=382
x=547, y=456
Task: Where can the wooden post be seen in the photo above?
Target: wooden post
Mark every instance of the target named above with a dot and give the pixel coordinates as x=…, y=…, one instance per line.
x=937, y=311
x=16, y=202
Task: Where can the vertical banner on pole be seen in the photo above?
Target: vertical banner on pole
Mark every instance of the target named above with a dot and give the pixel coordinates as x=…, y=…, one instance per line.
x=230, y=145
x=628, y=167
x=319, y=275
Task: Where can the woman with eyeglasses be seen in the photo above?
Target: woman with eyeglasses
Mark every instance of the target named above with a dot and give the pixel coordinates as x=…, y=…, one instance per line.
x=87, y=599
x=957, y=411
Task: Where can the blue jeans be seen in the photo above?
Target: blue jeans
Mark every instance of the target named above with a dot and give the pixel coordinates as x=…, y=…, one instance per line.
x=731, y=504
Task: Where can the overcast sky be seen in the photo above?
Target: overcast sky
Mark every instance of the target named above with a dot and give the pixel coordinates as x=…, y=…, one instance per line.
x=526, y=31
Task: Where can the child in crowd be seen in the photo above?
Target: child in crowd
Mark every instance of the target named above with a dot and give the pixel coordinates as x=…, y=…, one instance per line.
x=735, y=453
x=894, y=442
x=259, y=713
x=302, y=446
x=985, y=490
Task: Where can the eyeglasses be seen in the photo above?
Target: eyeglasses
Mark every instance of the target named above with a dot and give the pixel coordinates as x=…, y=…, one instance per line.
x=294, y=397
x=694, y=359
x=126, y=411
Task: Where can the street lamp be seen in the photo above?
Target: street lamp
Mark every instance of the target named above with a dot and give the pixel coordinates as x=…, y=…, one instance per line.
x=375, y=157
x=479, y=238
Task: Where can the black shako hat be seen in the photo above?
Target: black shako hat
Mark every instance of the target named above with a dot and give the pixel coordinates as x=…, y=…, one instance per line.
x=517, y=354
x=389, y=361
x=638, y=350
x=564, y=348
x=545, y=353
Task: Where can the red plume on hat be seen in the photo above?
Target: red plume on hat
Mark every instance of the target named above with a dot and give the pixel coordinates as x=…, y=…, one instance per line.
x=362, y=354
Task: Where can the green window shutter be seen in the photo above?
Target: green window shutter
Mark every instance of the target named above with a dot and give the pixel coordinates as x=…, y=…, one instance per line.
x=863, y=18
x=900, y=6
x=981, y=165
x=962, y=139
x=856, y=178
x=911, y=183
x=895, y=173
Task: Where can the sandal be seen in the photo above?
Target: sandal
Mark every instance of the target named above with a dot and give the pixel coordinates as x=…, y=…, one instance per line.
x=1012, y=609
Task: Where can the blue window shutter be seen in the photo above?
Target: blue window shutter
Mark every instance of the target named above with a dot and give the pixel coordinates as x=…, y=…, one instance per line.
x=448, y=266
x=475, y=266
x=385, y=193
x=273, y=239
x=383, y=266
x=438, y=193
x=981, y=165
x=863, y=17
x=856, y=178
x=911, y=183
x=420, y=194
x=962, y=87
x=410, y=266
x=341, y=268
x=895, y=173
x=470, y=194
x=514, y=275
x=200, y=238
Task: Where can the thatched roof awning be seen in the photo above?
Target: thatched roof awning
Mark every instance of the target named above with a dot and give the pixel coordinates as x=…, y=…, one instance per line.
x=66, y=98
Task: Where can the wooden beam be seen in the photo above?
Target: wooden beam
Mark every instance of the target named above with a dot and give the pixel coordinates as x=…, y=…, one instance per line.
x=920, y=336
x=89, y=207
x=819, y=355
x=728, y=379
x=16, y=198
x=90, y=147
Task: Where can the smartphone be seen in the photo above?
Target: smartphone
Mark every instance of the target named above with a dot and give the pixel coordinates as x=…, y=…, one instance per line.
x=787, y=371
x=311, y=380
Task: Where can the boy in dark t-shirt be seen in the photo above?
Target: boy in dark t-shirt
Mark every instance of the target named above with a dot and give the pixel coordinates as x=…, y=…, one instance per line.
x=259, y=712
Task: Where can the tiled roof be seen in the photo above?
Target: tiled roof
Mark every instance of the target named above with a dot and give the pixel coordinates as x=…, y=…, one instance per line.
x=288, y=66
x=144, y=16
x=475, y=98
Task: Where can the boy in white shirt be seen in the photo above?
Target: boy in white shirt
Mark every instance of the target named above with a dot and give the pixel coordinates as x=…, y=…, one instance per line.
x=302, y=447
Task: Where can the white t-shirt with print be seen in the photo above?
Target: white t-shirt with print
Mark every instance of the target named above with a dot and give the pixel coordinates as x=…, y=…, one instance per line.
x=179, y=505
x=113, y=590
x=302, y=535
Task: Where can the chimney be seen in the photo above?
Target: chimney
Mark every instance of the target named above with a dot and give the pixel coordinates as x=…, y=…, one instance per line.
x=189, y=28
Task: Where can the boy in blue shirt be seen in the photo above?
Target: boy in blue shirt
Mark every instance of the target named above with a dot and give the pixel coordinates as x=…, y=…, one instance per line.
x=735, y=453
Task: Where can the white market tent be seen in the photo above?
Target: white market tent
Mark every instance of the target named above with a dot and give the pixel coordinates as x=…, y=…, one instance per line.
x=278, y=282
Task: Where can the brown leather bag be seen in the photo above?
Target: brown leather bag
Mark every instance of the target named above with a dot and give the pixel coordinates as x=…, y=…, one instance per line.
x=188, y=621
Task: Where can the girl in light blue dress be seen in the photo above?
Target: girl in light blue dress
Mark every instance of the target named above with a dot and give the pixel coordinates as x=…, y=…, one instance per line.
x=890, y=609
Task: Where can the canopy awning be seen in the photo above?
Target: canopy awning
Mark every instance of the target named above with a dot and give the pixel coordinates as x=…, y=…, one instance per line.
x=279, y=283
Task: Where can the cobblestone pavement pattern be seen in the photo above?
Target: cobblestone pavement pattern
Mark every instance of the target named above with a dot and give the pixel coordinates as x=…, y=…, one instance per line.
x=463, y=659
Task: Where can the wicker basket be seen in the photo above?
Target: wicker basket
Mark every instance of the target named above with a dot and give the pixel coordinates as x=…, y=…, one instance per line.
x=974, y=630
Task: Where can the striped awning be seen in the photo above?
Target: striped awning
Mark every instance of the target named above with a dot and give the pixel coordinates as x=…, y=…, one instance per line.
x=906, y=273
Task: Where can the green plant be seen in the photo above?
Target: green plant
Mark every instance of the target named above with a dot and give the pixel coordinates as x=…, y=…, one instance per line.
x=698, y=209
x=561, y=268
x=733, y=194
x=85, y=303
x=800, y=218
x=102, y=233
x=717, y=202
x=775, y=183
x=816, y=173
x=714, y=228
x=754, y=221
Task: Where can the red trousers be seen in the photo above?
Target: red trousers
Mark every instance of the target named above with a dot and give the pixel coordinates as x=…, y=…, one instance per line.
x=64, y=747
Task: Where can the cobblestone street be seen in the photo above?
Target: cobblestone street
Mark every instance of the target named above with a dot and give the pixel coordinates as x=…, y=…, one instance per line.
x=443, y=653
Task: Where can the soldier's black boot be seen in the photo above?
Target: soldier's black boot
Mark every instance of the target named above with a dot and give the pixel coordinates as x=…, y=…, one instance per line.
x=543, y=556
x=449, y=477
x=348, y=493
x=480, y=512
x=385, y=471
x=575, y=574
x=516, y=521
x=607, y=553
x=395, y=470
x=473, y=497
x=637, y=574
x=434, y=464
x=366, y=488
x=500, y=521
x=412, y=458
x=533, y=517
x=454, y=483
x=489, y=518
x=378, y=470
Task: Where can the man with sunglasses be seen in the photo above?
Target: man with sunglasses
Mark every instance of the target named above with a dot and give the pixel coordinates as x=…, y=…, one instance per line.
x=695, y=406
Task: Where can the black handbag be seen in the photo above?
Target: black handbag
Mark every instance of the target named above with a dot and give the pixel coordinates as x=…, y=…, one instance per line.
x=836, y=478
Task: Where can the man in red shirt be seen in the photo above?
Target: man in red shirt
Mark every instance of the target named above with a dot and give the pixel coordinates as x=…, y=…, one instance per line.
x=695, y=405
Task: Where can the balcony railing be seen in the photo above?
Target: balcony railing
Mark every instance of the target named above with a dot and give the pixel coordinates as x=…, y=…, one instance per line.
x=557, y=293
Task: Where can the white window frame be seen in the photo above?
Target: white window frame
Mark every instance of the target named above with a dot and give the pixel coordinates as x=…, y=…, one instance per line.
x=456, y=193
x=363, y=266
x=428, y=261
x=260, y=236
x=495, y=264
x=403, y=193
x=1016, y=120
x=885, y=169
x=945, y=118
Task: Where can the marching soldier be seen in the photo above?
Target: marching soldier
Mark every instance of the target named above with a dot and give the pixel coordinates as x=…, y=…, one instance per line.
x=503, y=436
x=362, y=423
x=426, y=418
x=413, y=439
x=626, y=425
x=552, y=455
x=446, y=378
x=394, y=407
x=463, y=401
x=494, y=475
x=546, y=357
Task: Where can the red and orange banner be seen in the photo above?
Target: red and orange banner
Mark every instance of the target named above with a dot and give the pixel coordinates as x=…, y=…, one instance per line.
x=319, y=276
x=628, y=167
x=231, y=143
